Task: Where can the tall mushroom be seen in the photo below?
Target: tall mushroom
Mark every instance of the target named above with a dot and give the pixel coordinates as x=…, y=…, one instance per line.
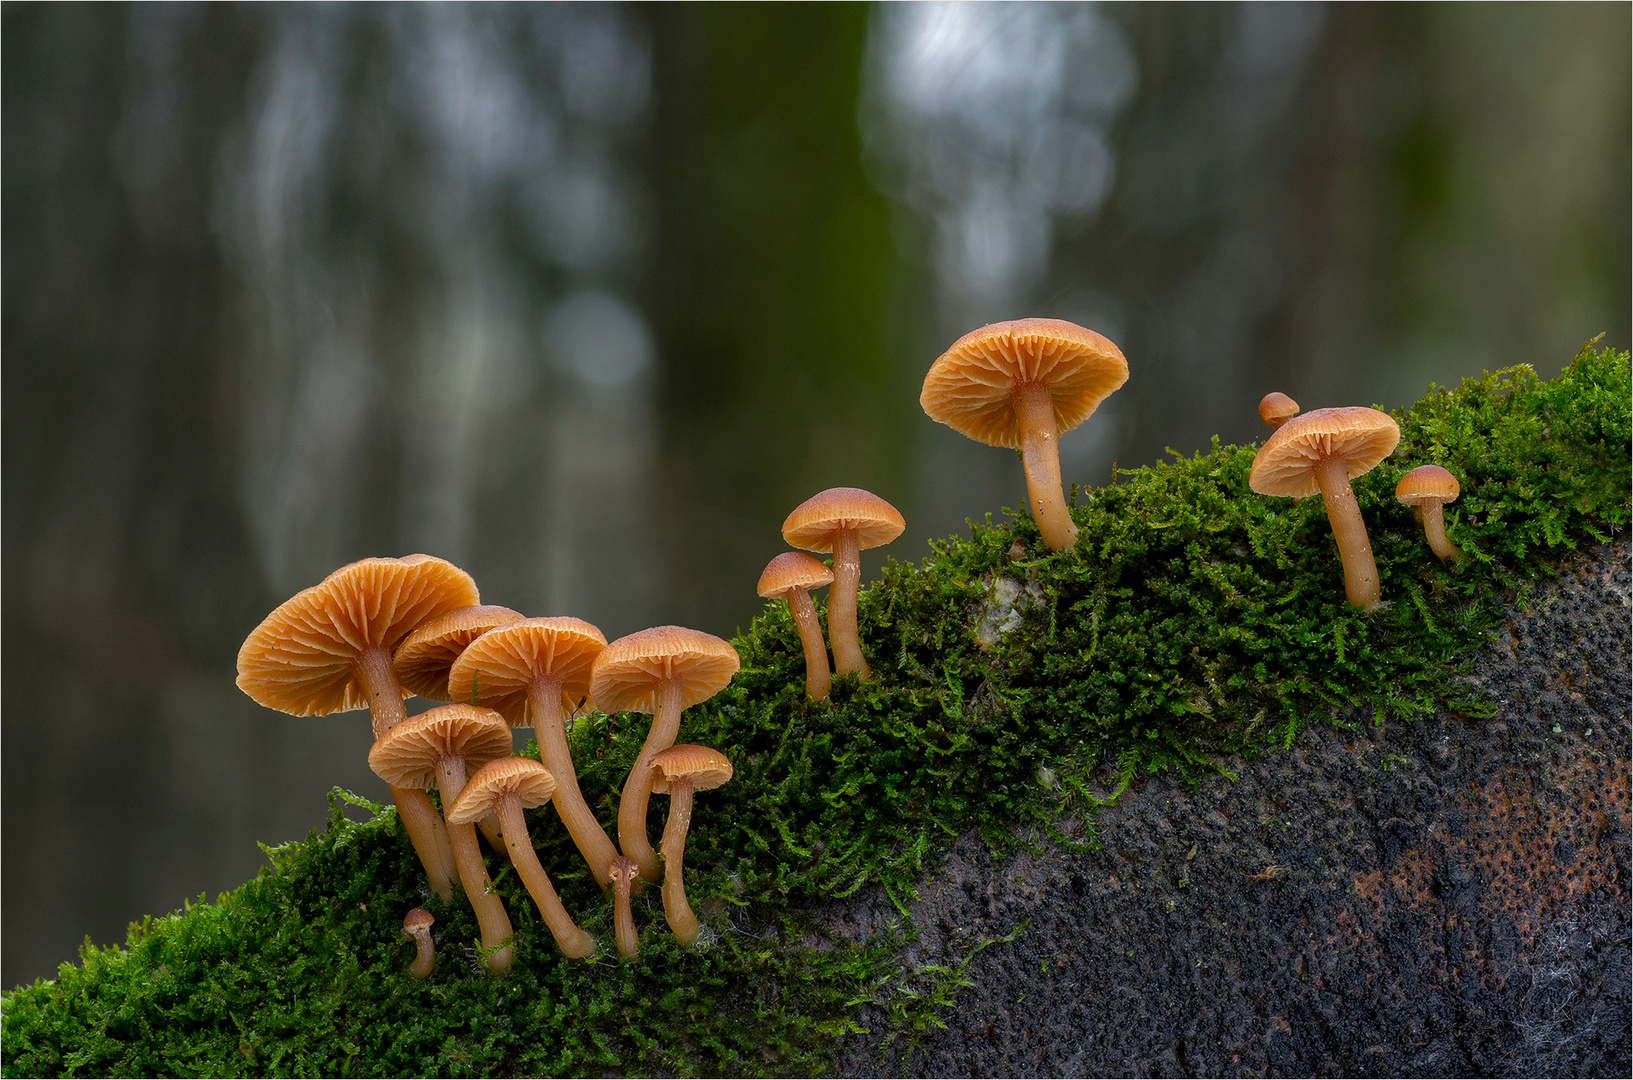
x=1426, y=489
x=506, y=787
x=844, y=521
x=660, y=671
x=1323, y=450
x=439, y=748
x=790, y=577
x=1021, y=385
x=678, y=772
x=1276, y=408
x=328, y=649
x=539, y=669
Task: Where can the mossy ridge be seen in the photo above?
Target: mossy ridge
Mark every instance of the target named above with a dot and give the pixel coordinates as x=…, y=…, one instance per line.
x=1194, y=620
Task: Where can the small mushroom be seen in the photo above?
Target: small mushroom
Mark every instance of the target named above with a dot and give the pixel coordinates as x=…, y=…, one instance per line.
x=1323, y=450
x=624, y=873
x=1021, y=385
x=844, y=521
x=539, y=670
x=1426, y=489
x=678, y=772
x=328, y=649
x=437, y=748
x=789, y=577
x=417, y=925
x=506, y=787
x=1276, y=408
x=660, y=671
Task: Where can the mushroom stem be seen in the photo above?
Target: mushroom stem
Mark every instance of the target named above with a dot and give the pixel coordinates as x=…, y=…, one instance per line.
x=842, y=629
x=473, y=876
x=1040, y=455
x=675, y=907
x=1361, y=586
x=638, y=786
x=1434, y=531
x=550, y=729
x=420, y=819
x=623, y=921
x=817, y=680
x=574, y=942
x=425, y=953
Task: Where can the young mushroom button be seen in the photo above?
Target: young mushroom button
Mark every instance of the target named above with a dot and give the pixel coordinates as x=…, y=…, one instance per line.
x=1323, y=450
x=844, y=521
x=1021, y=385
x=439, y=748
x=624, y=872
x=539, y=670
x=507, y=787
x=660, y=671
x=1276, y=408
x=1426, y=489
x=679, y=772
x=328, y=649
x=789, y=577
x=417, y=925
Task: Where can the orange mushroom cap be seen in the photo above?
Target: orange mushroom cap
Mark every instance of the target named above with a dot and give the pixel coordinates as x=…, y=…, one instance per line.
x=521, y=778
x=501, y=663
x=629, y=671
x=970, y=386
x=814, y=522
x=1276, y=408
x=407, y=755
x=793, y=570
x=705, y=768
x=299, y=660
x=1285, y=464
x=424, y=657
x=1427, y=483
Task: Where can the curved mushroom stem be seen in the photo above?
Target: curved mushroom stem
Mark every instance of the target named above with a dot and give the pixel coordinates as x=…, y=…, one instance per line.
x=550, y=729
x=842, y=630
x=573, y=941
x=623, y=922
x=1361, y=586
x=473, y=876
x=638, y=786
x=817, y=680
x=1434, y=531
x=1040, y=455
x=425, y=953
x=675, y=907
x=420, y=819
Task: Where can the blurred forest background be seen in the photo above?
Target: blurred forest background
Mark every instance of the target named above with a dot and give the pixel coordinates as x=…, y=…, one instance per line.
x=586, y=298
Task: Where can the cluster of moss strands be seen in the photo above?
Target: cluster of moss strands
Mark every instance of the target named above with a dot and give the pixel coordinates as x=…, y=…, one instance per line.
x=1012, y=689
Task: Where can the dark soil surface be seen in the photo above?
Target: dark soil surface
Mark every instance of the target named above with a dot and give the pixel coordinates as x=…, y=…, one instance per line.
x=1448, y=897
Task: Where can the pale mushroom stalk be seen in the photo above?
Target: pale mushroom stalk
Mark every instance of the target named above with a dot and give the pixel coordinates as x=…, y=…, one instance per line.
x=842, y=630
x=550, y=728
x=417, y=925
x=817, y=680
x=573, y=941
x=675, y=908
x=638, y=787
x=623, y=921
x=1361, y=586
x=1434, y=531
x=373, y=672
x=1040, y=456
x=473, y=876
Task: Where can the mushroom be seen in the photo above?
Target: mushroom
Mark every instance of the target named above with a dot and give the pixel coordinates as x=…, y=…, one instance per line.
x=506, y=787
x=1021, y=385
x=539, y=669
x=328, y=649
x=678, y=772
x=1323, y=450
x=1426, y=489
x=844, y=521
x=435, y=749
x=789, y=577
x=659, y=671
x=1276, y=408
x=417, y=925
x=623, y=872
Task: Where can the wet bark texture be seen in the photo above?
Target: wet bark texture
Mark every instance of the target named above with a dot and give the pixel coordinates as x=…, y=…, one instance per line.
x=1441, y=898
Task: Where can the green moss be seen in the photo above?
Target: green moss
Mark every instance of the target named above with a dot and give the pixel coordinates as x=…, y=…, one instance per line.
x=1013, y=688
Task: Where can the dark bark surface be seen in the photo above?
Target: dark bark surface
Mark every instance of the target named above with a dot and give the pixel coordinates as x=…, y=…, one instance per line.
x=1441, y=898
